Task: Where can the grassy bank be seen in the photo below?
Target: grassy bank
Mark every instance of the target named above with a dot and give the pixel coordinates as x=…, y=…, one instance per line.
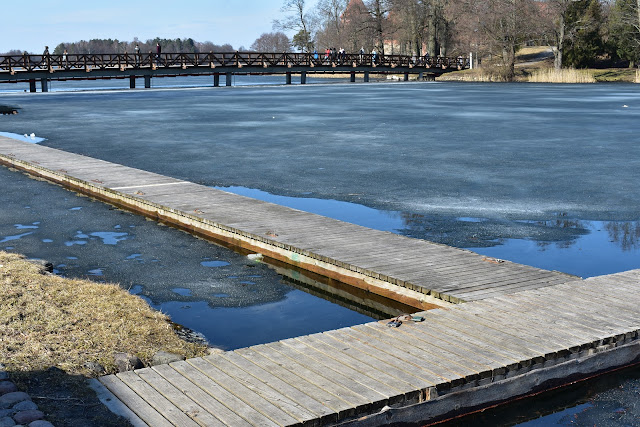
x=535, y=64
x=55, y=331
x=46, y=320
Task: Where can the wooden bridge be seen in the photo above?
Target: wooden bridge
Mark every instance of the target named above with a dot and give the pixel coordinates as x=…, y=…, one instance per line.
x=494, y=330
x=43, y=68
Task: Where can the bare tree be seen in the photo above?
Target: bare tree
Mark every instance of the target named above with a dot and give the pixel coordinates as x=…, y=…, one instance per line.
x=330, y=14
x=379, y=10
x=272, y=42
x=297, y=20
x=357, y=30
x=502, y=26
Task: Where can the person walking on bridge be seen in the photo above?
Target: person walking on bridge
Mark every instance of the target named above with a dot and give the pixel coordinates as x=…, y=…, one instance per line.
x=46, y=58
x=158, y=53
x=137, y=54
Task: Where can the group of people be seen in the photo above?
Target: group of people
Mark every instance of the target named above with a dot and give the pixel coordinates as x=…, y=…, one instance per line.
x=340, y=56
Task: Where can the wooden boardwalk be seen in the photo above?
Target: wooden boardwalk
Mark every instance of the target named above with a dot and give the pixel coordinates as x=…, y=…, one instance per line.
x=415, y=272
x=523, y=330
x=494, y=349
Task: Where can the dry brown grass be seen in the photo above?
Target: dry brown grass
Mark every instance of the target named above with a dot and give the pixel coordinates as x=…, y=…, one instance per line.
x=565, y=75
x=46, y=320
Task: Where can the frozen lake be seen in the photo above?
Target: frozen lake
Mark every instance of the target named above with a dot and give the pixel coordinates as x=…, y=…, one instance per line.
x=544, y=175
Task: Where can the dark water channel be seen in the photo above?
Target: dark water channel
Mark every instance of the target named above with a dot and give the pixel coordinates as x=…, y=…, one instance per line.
x=544, y=175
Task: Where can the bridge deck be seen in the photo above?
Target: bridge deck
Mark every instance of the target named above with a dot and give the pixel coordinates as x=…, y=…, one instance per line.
x=416, y=272
x=520, y=340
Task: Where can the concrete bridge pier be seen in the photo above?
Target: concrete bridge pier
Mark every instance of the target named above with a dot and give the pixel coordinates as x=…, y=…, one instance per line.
x=366, y=77
x=147, y=81
x=288, y=79
x=216, y=80
x=132, y=82
x=44, y=84
x=303, y=78
x=32, y=85
x=229, y=77
x=353, y=77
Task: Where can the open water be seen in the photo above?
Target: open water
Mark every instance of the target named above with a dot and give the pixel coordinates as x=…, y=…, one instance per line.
x=544, y=175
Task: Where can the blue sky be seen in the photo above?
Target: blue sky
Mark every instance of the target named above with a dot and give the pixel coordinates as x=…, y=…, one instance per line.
x=32, y=24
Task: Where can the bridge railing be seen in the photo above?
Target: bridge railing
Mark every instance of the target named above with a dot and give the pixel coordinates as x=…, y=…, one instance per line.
x=88, y=62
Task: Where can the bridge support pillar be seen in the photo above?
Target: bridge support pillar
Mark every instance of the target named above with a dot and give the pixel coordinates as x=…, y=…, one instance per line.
x=303, y=78
x=216, y=80
x=32, y=85
x=44, y=84
x=420, y=76
x=366, y=77
x=132, y=82
x=288, y=80
x=147, y=81
x=228, y=82
x=353, y=77
x=406, y=77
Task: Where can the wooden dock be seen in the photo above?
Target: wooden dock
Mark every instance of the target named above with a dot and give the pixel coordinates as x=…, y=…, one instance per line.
x=415, y=272
x=460, y=358
x=521, y=330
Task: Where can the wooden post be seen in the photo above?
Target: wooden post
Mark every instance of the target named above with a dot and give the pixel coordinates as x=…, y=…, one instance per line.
x=288, y=77
x=216, y=80
x=366, y=77
x=44, y=84
x=132, y=82
x=303, y=77
x=147, y=81
x=229, y=75
x=353, y=76
x=32, y=85
x=406, y=77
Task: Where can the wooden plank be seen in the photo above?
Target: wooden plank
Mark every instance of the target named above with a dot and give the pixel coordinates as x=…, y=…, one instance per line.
x=377, y=361
x=444, y=370
x=245, y=386
x=327, y=384
x=134, y=402
x=200, y=397
x=324, y=364
x=161, y=404
x=327, y=352
x=340, y=405
x=435, y=358
x=322, y=412
x=231, y=401
x=178, y=398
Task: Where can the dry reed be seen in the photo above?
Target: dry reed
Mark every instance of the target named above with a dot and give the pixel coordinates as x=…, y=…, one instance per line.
x=565, y=75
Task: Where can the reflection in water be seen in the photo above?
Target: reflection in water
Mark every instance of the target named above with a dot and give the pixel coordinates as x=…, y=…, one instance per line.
x=625, y=234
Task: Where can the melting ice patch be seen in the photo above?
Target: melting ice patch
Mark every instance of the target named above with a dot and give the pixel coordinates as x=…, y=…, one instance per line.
x=33, y=225
x=110, y=237
x=16, y=237
x=26, y=138
x=214, y=263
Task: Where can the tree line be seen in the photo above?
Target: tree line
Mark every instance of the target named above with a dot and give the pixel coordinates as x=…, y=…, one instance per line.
x=87, y=47
x=581, y=33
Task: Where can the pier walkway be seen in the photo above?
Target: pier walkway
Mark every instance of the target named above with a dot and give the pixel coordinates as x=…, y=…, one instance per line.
x=415, y=272
x=520, y=330
x=459, y=358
